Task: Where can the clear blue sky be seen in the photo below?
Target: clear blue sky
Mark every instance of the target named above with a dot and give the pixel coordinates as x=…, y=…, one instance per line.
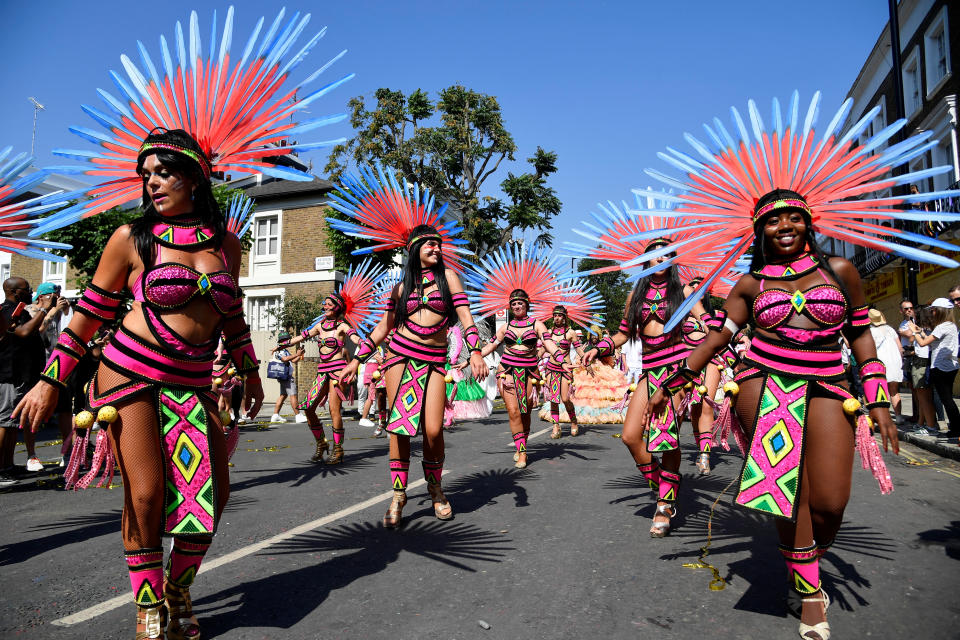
x=604, y=84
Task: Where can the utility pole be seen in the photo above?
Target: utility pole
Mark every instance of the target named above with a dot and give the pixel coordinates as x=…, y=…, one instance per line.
x=37, y=108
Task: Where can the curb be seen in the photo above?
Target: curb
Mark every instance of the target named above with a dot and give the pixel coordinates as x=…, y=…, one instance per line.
x=939, y=446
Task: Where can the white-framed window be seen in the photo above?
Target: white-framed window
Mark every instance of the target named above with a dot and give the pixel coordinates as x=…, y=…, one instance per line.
x=4, y=271
x=261, y=312
x=55, y=272
x=942, y=156
x=912, y=85
x=266, y=237
x=936, y=49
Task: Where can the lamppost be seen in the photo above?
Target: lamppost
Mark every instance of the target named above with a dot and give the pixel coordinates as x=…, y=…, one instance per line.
x=37, y=108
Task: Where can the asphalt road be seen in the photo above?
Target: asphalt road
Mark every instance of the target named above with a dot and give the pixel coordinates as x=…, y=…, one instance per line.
x=559, y=550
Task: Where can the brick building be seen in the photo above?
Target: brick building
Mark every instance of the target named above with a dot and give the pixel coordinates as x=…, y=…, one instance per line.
x=930, y=55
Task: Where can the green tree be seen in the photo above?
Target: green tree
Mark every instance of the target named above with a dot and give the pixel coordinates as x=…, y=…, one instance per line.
x=90, y=235
x=297, y=312
x=613, y=288
x=453, y=147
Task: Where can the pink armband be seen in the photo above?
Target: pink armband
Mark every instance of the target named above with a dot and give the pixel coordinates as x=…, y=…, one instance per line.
x=99, y=304
x=366, y=349
x=460, y=300
x=242, y=353
x=873, y=375
x=605, y=346
x=624, y=329
x=305, y=334
x=715, y=320
x=472, y=338
x=64, y=359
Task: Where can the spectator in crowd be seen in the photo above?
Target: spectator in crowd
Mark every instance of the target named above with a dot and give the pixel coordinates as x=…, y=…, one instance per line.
x=907, y=315
x=288, y=387
x=50, y=328
x=926, y=416
x=21, y=359
x=891, y=355
x=954, y=296
x=943, y=342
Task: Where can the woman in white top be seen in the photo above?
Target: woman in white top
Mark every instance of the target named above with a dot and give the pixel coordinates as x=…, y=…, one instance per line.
x=942, y=341
x=890, y=353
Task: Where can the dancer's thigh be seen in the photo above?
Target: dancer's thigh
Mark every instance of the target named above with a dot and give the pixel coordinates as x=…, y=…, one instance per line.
x=828, y=458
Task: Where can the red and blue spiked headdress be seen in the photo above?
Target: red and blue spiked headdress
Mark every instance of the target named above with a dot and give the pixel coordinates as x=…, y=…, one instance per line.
x=236, y=112
x=719, y=191
x=20, y=215
x=238, y=215
x=630, y=237
x=582, y=302
x=535, y=271
x=386, y=210
x=357, y=297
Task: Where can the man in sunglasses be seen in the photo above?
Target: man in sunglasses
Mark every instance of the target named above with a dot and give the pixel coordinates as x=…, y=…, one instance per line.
x=908, y=313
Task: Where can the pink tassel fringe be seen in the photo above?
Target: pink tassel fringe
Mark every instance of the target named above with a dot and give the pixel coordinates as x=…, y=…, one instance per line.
x=870, y=456
x=78, y=458
x=101, y=454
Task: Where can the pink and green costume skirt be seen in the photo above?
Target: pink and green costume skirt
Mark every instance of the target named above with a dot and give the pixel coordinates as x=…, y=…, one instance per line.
x=419, y=362
x=178, y=386
x=660, y=363
x=521, y=366
x=790, y=377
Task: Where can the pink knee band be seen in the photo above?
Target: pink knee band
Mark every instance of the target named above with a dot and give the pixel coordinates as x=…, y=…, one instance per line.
x=432, y=471
x=146, y=576
x=803, y=568
x=669, y=484
x=185, y=561
x=520, y=442
x=399, y=470
x=651, y=471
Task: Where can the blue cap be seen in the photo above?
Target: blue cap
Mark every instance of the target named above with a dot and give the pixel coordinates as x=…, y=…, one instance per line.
x=44, y=289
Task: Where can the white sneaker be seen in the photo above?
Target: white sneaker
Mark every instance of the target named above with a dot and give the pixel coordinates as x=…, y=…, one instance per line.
x=301, y=418
x=366, y=422
x=243, y=418
x=378, y=432
x=277, y=418
x=34, y=464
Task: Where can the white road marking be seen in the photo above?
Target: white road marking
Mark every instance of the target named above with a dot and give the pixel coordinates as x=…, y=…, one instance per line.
x=532, y=436
x=119, y=601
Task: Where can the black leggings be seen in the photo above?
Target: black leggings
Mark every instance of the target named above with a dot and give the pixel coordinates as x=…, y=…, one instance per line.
x=942, y=383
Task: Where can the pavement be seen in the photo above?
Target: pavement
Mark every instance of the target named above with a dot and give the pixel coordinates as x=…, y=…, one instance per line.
x=558, y=550
x=937, y=444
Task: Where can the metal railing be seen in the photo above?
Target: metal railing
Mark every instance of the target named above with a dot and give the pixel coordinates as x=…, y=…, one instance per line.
x=868, y=260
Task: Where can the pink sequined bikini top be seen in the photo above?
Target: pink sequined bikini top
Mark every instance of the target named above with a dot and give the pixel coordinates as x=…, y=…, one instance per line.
x=823, y=304
x=520, y=333
x=560, y=339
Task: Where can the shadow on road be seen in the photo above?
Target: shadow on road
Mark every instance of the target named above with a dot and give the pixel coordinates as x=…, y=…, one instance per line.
x=947, y=537
x=68, y=530
x=471, y=492
x=303, y=472
x=362, y=549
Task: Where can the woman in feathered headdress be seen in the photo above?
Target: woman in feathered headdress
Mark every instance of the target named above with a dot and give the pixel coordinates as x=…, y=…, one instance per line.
x=182, y=268
x=419, y=310
x=656, y=297
x=772, y=192
x=345, y=312
x=174, y=127
x=517, y=278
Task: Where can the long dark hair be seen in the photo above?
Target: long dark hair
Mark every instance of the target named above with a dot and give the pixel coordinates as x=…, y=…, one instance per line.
x=205, y=207
x=705, y=299
x=758, y=258
x=673, y=301
x=413, y=276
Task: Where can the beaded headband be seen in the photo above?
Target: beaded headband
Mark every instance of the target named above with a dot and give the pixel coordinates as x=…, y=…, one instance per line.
x=166, y=146
x=338, y=300
x=657, y=242
x=786, y=203
x=425, y=236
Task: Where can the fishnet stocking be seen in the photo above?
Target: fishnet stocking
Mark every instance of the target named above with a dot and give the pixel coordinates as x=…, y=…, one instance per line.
x=136, y=442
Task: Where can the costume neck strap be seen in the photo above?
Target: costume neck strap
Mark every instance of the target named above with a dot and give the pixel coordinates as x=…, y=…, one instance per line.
x=796, y=268
x=181, y=235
